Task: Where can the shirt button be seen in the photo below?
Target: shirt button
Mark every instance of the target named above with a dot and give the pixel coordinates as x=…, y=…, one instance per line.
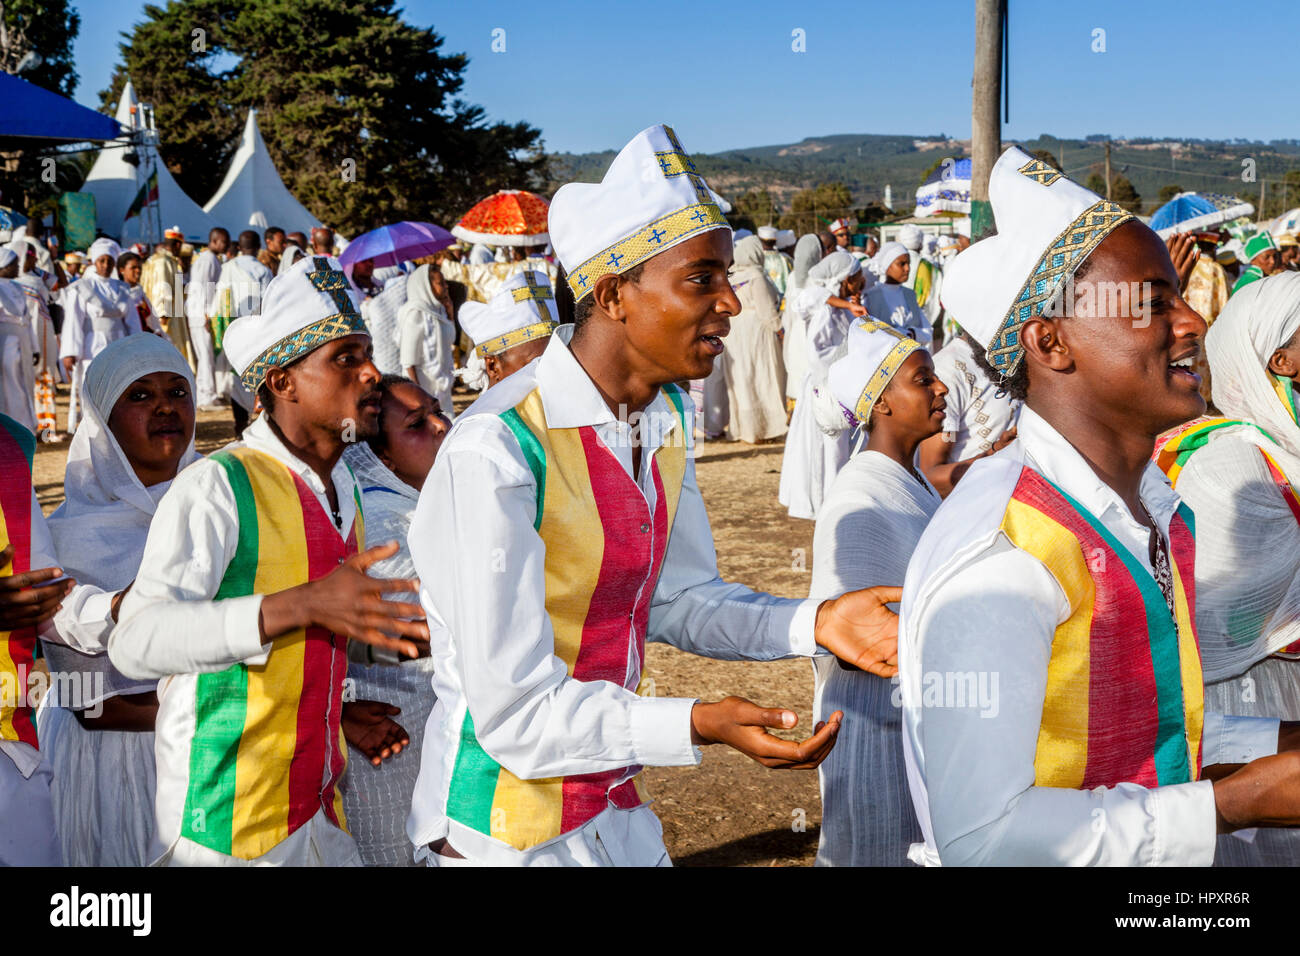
x=645, y=527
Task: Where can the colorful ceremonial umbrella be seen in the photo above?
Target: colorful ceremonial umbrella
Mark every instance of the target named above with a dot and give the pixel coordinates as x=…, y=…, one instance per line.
x=1289, y=221
x=1190, y=212
x=10, y=219
x=946, y=190
x=399, y=242
x=511, y=217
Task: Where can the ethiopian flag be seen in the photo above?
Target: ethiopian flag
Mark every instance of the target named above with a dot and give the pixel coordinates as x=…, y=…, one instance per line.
x=148, y=193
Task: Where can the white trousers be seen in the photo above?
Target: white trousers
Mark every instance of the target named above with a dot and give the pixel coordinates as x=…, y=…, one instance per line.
x=205, y=361
x=27, y=833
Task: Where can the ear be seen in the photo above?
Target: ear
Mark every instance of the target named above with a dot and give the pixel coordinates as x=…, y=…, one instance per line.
x=1281, y=363
x=1041, y=339
x=608, y=297
x=492, y=365
x=882, y=404
x=279, y=382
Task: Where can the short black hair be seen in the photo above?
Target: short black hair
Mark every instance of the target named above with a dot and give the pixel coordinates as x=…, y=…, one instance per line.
x=125, y=259
x=265, y=397
x=379, y=441
x=583, y=308
x=272, y=231
x=249, y=241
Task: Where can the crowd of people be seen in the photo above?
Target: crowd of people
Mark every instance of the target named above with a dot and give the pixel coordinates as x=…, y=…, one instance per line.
x=1095, y=656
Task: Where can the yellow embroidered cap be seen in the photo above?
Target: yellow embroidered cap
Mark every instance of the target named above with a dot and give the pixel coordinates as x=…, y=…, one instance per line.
x=874, y=352
x=1047, y=226
x=652, y=198
x=302, y=309
x=524, y=310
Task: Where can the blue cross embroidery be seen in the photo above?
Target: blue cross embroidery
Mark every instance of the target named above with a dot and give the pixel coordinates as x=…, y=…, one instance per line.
x=698, y=215
x=582, y=280
x=657, y=236
x=663, y=163
x=614, y=259
x=503, y=340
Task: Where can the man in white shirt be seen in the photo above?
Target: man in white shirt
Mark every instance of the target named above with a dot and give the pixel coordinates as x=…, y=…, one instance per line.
x=248, y=592
x=1051, y=682
x=562, y=527
x=239, y=293
x=200, y=296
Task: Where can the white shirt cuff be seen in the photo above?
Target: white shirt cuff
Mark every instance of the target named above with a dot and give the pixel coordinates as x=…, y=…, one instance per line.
x=244, y=629
x=661, y=732
x=1186, y=824
x=802, y=627
x=1227, y=739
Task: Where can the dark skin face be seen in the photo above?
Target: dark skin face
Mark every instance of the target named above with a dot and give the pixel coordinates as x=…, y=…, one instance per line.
x=414, y=427
x=899, y=270
x=130, y=272
x=842, y=238
x=275, y=243
x=153, y=422
x=1107, y=381
x=10, y=271
x=909, y=410
x=666, y=327
x=852, y=287
x=104, y=266
x=1290, y=256
x=505, y=364
x=1268, y=262
x=299, y=240
x=872, y=247
x=219, y=243
x=328, y=396
x=362, y=272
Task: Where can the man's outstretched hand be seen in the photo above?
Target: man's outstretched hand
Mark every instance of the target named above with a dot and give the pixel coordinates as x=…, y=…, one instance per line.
x=368, y=725
x=740, y=724
x=29, y=598
x=860, y=630
x=351, y=603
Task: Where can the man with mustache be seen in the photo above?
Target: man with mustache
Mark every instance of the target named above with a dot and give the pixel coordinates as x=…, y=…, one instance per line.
x=562, y=527
x=1052, y=692
x=252, y=580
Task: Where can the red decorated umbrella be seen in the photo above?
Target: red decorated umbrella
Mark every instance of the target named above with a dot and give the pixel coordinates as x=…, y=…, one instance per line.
x=511, y=217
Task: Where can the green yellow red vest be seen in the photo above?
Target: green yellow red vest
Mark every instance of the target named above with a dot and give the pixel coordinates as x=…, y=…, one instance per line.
x=604, y=551
x=17, y=648
x=267, y=750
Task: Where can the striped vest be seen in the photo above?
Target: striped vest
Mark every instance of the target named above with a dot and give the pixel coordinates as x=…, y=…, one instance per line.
x=1124, y=692
x=17, y=648
x=267, y=749
x=604, y=550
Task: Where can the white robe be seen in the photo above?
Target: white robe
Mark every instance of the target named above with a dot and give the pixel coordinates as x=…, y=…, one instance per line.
x=812, y=458
x=200, y=294
x=755, y=374
x=426, y=338
x=896, y=304
x=245, y=279
x=866, y=531
x=17, y=378
x=97, y=312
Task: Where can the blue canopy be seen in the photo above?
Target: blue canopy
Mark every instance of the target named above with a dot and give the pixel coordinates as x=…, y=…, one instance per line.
x=1190, y=212
x=31, y=111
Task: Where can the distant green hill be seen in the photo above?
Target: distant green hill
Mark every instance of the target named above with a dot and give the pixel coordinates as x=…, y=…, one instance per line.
x=867, y=162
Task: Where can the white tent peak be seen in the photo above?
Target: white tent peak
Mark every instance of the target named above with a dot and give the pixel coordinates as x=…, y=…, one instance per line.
x=253, y=196
x=115, y=183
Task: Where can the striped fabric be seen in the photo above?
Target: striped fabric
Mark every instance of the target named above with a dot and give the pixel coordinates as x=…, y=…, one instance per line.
x=17, y=648
x=267, y=750
x=604, y=550
x=1124, y=690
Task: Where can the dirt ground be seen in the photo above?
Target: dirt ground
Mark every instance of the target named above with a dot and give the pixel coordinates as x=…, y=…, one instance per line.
x=729, y=811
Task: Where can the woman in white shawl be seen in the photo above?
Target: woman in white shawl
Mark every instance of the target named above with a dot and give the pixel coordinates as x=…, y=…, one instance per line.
x=752, y=360
x=98, y=311
x=794, y=347
x=17, y=380
x=381, y=314
x=1236, y=475
x=391, y=469
x=427, y=334
x=890, y=300
x=812, y=457
x=867, y=529
x=96, y=725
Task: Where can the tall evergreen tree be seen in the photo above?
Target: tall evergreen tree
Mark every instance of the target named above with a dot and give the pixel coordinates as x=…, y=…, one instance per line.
x=359, y=109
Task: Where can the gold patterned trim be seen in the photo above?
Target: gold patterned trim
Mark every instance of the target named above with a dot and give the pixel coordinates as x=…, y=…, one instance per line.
x=295, y=346
x=887, y=369
x=1065, y=254
x=1040, y=172
x=531, y=291
x=648, y=241
x=495, y=346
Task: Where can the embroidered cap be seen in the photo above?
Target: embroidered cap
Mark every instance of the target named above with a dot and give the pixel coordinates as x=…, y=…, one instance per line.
x=652, y=198
x=874, y=353
x=303, y=308
x=174, y=233
x=1047, y=226
x=524, y=310
x=767, y=232
x=786, y=238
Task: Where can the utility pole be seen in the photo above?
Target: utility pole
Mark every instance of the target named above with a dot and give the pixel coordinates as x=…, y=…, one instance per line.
x=1108, y=169
x=1263, y=185
x=986, y=120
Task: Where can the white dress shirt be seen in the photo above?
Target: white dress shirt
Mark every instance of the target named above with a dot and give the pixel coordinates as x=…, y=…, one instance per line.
x=974, y=603
x=482, y=570
x=171, y=629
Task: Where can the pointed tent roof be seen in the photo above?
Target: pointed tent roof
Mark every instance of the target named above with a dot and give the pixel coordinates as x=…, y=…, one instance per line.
x=253, y=196
x=114, y=183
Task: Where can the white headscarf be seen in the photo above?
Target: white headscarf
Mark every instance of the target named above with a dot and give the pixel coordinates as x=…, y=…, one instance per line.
x=100, y=529
x=885, y=257
x=912, y=237
x=834, y=269
x=419, y=293
x=747, y=262
x=104, y=247
x=807, y=253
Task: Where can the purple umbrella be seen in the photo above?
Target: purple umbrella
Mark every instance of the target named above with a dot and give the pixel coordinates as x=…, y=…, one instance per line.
x=400, y=242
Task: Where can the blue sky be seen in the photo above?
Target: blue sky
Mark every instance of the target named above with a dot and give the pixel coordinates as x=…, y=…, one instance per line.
x=591, y=75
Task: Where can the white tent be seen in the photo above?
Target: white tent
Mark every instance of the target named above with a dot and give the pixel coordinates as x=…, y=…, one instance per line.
x=253, y=196
x=115, y=183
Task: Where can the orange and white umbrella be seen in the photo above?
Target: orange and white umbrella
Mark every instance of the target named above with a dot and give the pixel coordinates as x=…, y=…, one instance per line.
x=511, y=217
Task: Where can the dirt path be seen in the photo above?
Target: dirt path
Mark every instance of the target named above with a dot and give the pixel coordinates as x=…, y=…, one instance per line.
x=729, y=810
